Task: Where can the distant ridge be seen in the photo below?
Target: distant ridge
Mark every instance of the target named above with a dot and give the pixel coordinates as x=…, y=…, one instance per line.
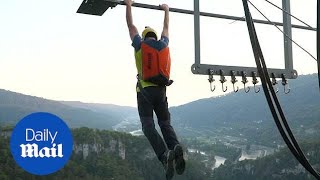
x=234, y=114
x=14, y=106
x=248, y=113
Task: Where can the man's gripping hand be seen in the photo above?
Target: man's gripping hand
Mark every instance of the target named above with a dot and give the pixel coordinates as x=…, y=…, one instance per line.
x=128, y=2
x=164, y=7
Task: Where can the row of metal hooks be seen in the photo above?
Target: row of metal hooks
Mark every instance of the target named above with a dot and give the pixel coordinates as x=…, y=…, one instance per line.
x=244, y=81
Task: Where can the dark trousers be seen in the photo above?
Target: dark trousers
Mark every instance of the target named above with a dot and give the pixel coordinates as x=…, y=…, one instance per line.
x=154, y=99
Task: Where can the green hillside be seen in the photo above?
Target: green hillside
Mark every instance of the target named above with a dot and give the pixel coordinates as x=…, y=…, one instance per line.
x=235, y=114
x=226, y=126
x=248, y=116
x=101, y=154
x=281, y=165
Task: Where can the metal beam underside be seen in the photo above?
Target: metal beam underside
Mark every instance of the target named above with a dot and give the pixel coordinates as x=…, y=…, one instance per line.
x=203, y=69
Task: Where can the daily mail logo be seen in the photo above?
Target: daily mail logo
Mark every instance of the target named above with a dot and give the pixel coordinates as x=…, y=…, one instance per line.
x=32, y=150
x=41, y=143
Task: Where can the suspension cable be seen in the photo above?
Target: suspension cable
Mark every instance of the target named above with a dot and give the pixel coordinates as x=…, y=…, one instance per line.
x=272, y=99
x=289, y=14
x=283, y=32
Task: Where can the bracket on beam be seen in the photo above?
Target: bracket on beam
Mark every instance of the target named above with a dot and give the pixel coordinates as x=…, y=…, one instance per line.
x=96, y=7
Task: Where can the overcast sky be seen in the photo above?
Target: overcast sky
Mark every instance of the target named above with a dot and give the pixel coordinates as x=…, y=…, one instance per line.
x=48, y=50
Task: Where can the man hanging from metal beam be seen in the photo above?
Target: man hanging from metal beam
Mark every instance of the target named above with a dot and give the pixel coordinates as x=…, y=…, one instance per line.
x=153, y=64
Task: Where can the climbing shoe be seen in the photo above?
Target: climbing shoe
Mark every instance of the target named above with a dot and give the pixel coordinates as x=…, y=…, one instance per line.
x=167, y=163
x=179, y=160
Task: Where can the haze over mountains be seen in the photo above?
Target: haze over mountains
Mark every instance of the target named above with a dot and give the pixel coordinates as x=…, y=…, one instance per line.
x=235, y=114
x=14, y=106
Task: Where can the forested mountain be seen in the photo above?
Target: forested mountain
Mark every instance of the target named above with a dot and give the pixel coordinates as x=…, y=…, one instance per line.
x=280, y=166
x=248, y=115
x=235, y=114
x=101, y=154
x=225, y=126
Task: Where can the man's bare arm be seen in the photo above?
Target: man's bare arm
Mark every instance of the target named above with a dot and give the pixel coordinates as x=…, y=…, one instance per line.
x=165, y=31
x=131, y=27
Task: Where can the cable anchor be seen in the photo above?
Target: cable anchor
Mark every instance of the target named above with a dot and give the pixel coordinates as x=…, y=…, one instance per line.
x=223, y=80
x=211, y=79
x=255, y=81
x=234, y=80
x=285, y=84
x=274, y=82
x=245, y=81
